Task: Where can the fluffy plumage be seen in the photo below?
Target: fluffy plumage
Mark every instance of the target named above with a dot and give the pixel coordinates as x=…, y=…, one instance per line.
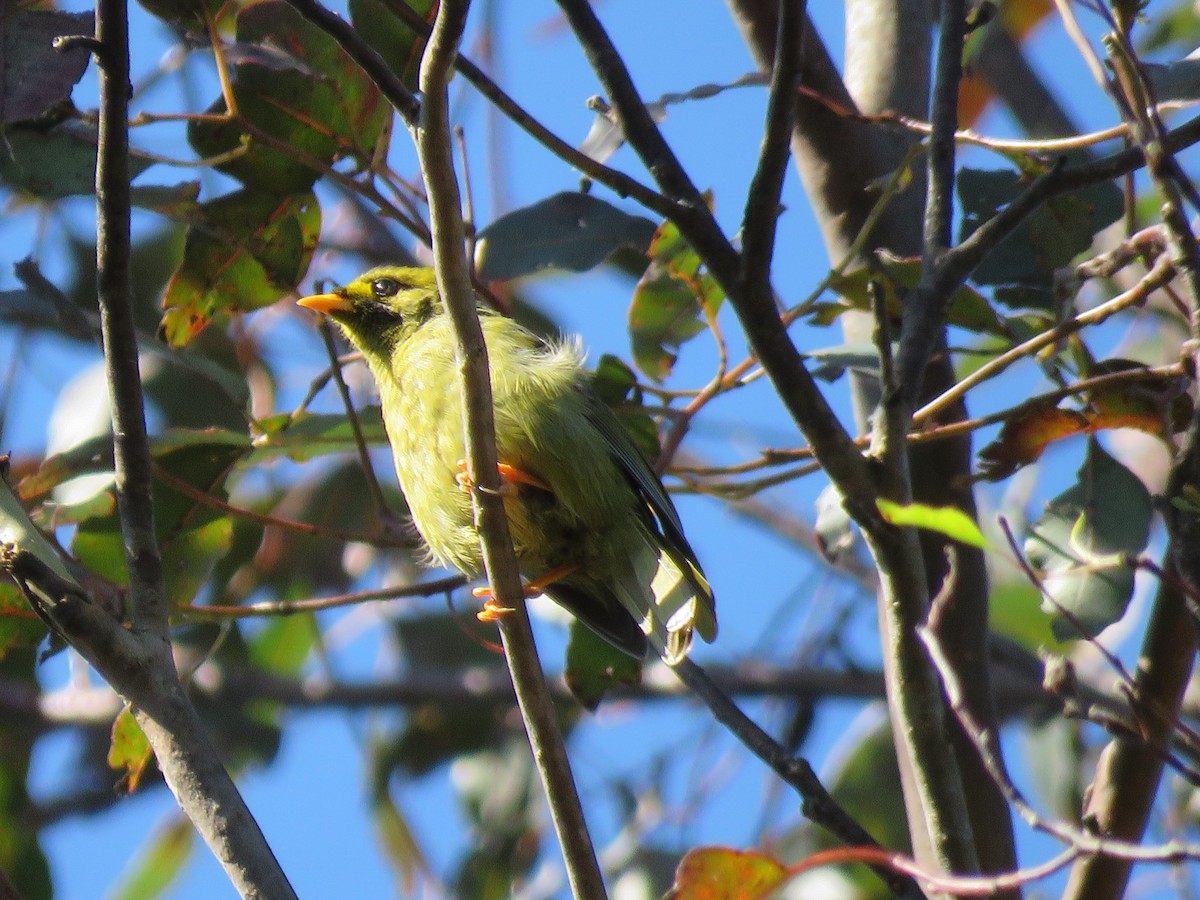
x=633, y=577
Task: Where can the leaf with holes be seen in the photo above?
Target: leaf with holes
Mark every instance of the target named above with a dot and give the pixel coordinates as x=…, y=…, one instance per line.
x=671, y=304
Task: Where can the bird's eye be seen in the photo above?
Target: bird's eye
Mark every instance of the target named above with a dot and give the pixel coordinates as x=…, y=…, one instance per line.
x=383, y=288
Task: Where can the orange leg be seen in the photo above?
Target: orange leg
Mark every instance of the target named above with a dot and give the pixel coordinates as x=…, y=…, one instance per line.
x=492, y=610
x=510, y=477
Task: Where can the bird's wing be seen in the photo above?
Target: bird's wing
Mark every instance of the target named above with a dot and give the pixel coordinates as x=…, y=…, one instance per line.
x=634, y=465
x=650, y=489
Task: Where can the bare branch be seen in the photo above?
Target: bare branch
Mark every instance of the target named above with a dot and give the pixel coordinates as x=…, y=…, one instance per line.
x=433, y=139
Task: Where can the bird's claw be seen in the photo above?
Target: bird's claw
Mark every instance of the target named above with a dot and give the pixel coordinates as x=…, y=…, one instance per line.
x=466, y=483
x=492, y=610
x=510, y=477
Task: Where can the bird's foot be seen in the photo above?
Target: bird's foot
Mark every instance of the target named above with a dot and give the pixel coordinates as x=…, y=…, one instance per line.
x=510, y=477
x=492, y=610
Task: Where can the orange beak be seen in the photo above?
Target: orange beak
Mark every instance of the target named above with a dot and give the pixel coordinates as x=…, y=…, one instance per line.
x=325, y=303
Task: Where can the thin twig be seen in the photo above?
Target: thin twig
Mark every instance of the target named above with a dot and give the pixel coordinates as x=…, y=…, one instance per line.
x=131, y=446
x=216, y=613
x=1162, y=272
x=360, y=443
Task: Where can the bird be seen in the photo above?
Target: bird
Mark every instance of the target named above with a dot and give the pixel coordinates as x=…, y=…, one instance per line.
x=592, y=526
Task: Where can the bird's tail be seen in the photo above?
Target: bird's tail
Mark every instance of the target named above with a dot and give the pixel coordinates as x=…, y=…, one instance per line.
x=677, y=604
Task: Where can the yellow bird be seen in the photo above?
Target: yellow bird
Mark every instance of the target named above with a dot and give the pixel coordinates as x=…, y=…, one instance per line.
x=591, y=524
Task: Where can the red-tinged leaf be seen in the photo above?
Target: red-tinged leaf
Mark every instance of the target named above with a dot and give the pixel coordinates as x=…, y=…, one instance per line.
x=20, y=626
x=1157, y=406
x=129, y=750
x=1160, y=406
x=718, y=873
x=249, y=249
x=1024, y=438
x=1017, y=19
x=308, y=99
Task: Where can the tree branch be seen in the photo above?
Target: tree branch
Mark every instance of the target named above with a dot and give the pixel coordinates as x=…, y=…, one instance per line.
x=138, y=662
x=433, y=140
x=923, y=321
x=131, y=447
x=140, y=668
x=819, y=806
x=832, y=445
x=762, y=199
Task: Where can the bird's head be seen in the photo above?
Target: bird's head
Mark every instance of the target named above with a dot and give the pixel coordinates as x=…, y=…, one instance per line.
x=382, y=307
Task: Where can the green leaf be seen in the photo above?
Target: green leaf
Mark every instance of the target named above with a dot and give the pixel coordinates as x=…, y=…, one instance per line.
x=594, y=666
x=833, y=525
x=283, y=646
x=20, y=626
x=158, y=865
x=953, y=523
x=310, y=436
x=90, y=457
x=300, y=88
x=572, y=231
x=617, y=386
x=832, y=362
x=435, y=733
x=1178, y=80
x=969, y=309
x=867, y=785
x=670, y=303
x=192, y=536
x=1015, y=611
x=129, y=750
x=390, y=37
x=247, y=250
x=1080, y=540
x=503, y=802
x=1053, y=235
x=21, y=855
x=53, y=164
x=17, y=528
x=1053, y=748
x=399, y=842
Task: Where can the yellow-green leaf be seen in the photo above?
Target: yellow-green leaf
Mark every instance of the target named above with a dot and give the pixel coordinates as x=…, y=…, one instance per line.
x=129, y=750
x=954, y=523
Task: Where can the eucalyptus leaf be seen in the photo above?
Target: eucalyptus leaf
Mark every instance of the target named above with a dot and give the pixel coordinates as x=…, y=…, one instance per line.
x=570, y=231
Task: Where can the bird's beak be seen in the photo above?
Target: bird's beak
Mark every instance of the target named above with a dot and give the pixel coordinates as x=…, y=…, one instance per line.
x=325, y=303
